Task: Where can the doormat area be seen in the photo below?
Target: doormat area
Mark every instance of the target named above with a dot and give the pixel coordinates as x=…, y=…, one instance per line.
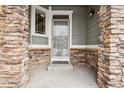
x=60, y=62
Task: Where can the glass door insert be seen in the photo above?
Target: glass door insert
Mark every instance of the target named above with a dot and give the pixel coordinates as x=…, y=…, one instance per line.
x=60, y=40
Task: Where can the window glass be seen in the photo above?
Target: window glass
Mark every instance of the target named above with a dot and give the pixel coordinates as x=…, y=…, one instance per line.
x=39, y=22
x=60, y=17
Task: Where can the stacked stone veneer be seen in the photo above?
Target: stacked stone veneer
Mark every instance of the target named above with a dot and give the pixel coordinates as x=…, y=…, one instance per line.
x=77, y=56
x=42, y=56
x=111, y=52
x=92, y=58
x=14, y=25
x=85, y=55
x=39, y=56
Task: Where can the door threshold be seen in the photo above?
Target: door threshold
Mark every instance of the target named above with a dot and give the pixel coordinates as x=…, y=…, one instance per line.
x=57, y=58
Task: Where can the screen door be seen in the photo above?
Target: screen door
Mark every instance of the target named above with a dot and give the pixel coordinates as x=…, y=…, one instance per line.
x=60, y=39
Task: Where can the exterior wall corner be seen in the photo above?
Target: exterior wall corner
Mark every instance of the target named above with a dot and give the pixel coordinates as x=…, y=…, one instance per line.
x=110, y=63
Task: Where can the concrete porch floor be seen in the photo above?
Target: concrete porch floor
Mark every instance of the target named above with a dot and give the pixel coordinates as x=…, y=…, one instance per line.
x=82, y=77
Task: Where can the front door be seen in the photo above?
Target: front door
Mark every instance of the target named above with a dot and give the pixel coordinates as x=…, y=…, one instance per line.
x=60, y=40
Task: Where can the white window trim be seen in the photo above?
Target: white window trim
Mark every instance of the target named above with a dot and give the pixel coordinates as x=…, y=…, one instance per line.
x=73, y=46
x=33, y=8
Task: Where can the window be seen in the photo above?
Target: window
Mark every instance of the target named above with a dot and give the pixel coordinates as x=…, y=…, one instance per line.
x=60, y=17
x=39, y=22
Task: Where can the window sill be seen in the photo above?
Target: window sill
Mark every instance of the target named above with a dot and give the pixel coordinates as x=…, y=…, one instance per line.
x=43, y=35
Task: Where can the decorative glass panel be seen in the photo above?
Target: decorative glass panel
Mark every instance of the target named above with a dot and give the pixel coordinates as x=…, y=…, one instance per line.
x=60, y=38
x=39, y=22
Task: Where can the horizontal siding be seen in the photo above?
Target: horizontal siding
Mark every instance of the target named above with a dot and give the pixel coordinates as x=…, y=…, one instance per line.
x=39, y=40
x=92, y=32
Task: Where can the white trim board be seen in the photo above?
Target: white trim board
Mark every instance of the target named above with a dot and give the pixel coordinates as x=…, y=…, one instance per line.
x=73, y=46
x=85, y=46
x=92, y=46
x=61, y=58
x=78, y=46
x=39, y=46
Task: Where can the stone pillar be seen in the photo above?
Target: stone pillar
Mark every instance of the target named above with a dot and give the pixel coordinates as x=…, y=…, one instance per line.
x=14, y=29
x=111, y=51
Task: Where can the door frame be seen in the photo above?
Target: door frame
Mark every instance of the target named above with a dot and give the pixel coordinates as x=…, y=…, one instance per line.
x=61, y=12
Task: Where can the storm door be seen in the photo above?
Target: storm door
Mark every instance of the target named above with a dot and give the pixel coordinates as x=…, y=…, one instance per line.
x=60, y=39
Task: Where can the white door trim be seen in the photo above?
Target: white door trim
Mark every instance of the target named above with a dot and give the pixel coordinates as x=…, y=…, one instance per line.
x=61, y=12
